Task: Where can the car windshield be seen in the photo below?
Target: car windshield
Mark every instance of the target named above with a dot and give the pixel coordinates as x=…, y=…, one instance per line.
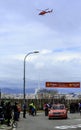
x=57, y=107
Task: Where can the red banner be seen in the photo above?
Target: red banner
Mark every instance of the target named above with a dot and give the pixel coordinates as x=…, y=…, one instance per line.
x=63, y=84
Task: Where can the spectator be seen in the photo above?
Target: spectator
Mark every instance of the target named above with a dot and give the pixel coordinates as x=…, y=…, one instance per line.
x=15, y=108
x=46, y=106
x=19, y=110
x=8, y=112
x=80, y=108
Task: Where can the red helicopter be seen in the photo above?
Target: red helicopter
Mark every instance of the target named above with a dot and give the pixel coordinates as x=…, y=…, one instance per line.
x=43, y=12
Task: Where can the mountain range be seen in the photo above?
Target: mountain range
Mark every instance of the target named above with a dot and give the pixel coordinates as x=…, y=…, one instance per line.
x=15, y=87
x=32, y=90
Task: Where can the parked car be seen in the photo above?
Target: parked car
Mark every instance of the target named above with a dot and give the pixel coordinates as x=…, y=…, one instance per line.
x=58, y=111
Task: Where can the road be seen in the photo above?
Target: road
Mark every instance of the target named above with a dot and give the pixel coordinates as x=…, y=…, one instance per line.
x=41, y=122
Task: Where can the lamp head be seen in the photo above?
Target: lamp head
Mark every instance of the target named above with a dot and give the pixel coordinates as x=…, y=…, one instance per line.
x=36, y=51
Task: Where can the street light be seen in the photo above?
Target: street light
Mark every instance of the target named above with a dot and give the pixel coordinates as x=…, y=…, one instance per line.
x=24, y=95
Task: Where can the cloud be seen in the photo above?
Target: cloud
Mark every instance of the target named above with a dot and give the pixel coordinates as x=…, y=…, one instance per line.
x=57, y=36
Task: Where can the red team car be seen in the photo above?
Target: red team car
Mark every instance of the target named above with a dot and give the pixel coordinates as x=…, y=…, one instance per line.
x=58, y=111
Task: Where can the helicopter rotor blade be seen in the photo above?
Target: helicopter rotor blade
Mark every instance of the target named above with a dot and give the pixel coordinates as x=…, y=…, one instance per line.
x=39, y=9
x=43, y=9
x=47, y=9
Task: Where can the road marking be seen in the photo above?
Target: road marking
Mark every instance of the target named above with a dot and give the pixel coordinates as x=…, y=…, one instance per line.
x=67, y=127
x=14, y=129
x=78, y=119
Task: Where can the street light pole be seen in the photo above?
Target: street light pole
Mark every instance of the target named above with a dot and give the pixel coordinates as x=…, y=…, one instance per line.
x=24, y=93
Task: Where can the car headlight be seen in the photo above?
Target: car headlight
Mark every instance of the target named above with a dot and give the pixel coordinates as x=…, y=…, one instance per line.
x=64, y=112
x=50, y=112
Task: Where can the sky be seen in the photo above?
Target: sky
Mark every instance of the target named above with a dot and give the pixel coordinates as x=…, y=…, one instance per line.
x=56, y=35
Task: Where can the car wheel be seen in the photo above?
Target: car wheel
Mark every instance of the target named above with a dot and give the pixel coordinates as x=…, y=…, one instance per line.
x=66, y=117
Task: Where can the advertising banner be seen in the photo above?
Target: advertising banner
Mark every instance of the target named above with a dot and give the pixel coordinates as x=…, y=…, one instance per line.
x=63, y=84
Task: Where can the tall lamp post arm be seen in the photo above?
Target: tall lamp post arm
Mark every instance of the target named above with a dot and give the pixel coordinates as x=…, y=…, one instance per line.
x=24, y=70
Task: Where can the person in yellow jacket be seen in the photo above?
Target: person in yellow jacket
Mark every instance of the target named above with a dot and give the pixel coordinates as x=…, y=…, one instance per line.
x=32, y=109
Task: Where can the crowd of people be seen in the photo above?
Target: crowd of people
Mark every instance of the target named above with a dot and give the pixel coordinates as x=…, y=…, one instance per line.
x=75, y=107
x=9, y=111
